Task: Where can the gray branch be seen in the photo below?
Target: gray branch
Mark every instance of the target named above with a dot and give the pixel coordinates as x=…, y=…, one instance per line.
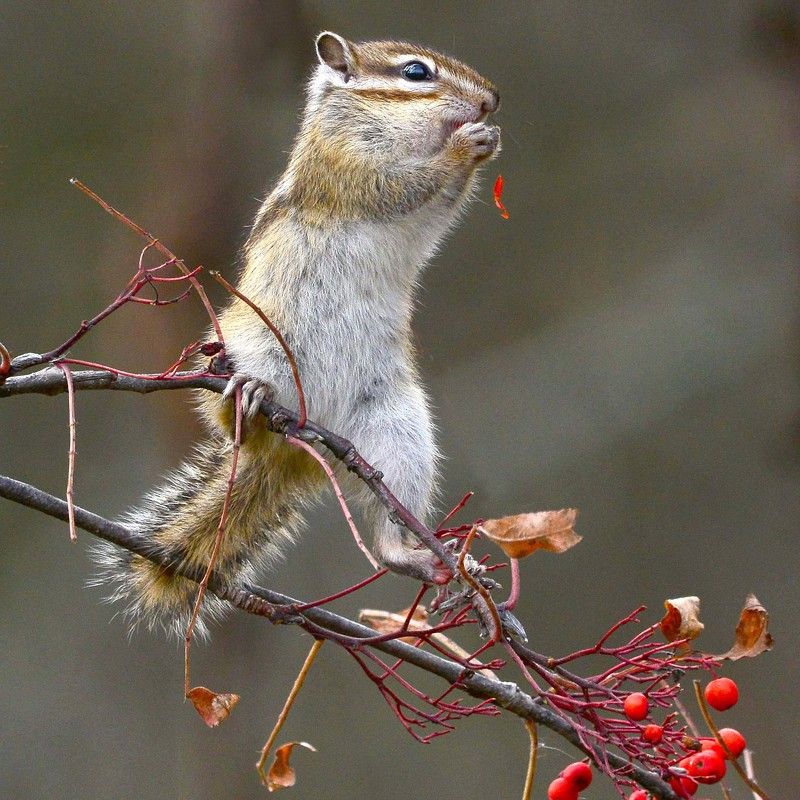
x=278, y=607
x=279, y=419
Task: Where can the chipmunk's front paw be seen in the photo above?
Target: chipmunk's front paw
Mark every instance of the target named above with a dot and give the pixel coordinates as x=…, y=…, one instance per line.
x=253, y=392
x=476, y=140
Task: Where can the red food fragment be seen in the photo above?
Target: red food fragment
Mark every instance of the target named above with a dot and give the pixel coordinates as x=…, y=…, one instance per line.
x=635, y=706
x=579, y=774
x=639, y=794
x=498, y=194
x=722, y=693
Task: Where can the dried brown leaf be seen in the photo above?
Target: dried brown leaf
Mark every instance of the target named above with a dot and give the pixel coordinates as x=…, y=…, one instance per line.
x=387, y=622
x=384, y=622
x=682, y=620
x=281, y=774
x=752, y=632
x=212, y=707
x=521, y=534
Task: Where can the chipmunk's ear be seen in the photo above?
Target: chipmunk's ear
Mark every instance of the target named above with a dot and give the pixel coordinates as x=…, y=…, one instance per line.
x=335, y=52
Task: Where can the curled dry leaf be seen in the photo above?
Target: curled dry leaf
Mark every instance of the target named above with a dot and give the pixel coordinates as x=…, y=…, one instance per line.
x=682, y=620
x=212, y=707
x=281, y=774
x=752, y=632
x=520, y=535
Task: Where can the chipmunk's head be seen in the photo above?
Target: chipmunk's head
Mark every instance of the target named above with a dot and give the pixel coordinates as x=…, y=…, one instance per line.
x=394, y=96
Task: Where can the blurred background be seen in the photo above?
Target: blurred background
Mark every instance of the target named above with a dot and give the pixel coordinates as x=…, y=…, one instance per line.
x=625, y=343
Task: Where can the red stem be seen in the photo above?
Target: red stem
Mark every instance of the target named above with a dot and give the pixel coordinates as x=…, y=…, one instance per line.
x=513, y=597
x=456, y=508
x=344, y=592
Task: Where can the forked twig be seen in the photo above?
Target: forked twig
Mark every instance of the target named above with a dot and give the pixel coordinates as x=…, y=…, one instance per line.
x=163, y=249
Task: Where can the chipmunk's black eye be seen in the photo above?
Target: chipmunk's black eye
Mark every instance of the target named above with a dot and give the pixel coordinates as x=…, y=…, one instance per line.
x=416, y=71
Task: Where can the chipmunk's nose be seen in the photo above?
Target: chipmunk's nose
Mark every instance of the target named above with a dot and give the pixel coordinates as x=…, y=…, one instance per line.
x=491, y=102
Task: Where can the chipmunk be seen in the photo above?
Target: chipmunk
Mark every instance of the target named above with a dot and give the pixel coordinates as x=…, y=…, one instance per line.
x=382, y=167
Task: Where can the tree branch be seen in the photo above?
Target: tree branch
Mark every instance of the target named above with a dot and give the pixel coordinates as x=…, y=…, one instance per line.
x=279, y=419
x=280, y=608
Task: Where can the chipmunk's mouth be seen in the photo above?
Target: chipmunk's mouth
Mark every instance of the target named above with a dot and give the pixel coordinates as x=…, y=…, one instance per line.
x=454, y=124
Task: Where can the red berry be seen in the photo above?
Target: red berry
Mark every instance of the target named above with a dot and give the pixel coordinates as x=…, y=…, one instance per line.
x=711, y=744
x=561, y=789
x=579, y=774
x=635, y=706
x=705, y=767
x=683, y=787
x=722, y=693
x=639, y=794
x=734, y=741
x=652, y=733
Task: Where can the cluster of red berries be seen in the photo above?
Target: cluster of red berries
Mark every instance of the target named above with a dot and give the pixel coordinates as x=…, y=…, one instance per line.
x=572, y=780
x=705, y=764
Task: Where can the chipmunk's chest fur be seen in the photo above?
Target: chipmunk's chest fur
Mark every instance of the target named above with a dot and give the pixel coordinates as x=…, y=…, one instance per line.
x=342, y=295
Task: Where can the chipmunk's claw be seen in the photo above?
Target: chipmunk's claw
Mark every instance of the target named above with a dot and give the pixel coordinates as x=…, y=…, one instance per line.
x=253, y=392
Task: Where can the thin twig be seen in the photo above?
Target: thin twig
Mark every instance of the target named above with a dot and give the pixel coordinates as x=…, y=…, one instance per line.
x=513, y=597
x=73, y=535
x=701, y=701
x=344, y=592
x=129, y=295
x=339, y=496
x=298, y=685
x=455, y=509
x=163, y=249
x=532, y=732
x=301, y=398
x=223, y=520
x=497, y=633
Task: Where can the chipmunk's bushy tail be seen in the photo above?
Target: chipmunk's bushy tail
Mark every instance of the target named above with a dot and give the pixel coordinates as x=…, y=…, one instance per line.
x=180, y=520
